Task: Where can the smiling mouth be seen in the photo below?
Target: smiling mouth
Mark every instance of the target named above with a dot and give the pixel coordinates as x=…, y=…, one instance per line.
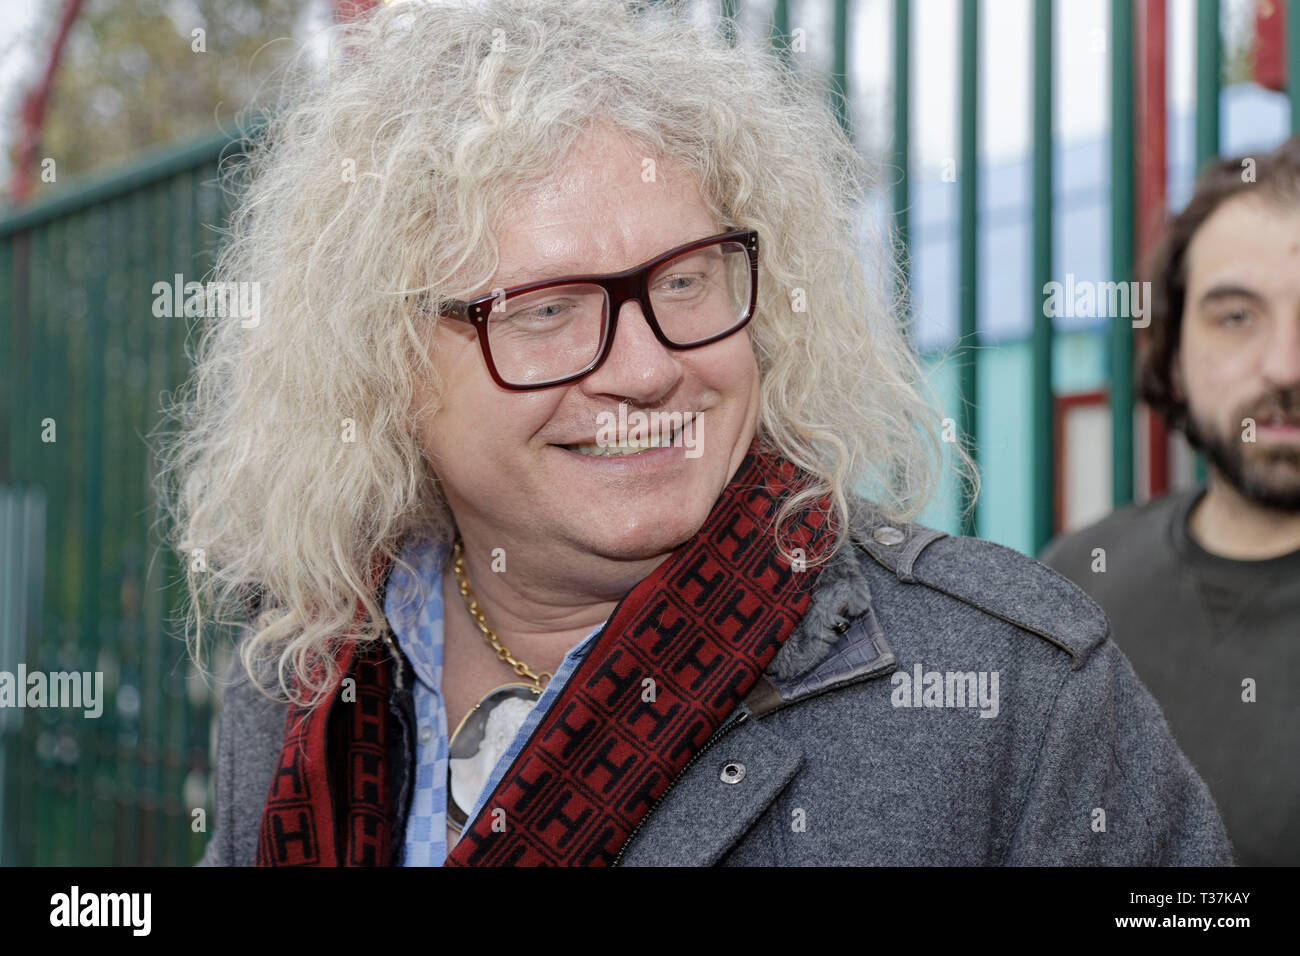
x=626, y=446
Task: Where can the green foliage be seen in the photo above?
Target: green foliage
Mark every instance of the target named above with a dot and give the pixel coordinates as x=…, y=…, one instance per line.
x=131, y=79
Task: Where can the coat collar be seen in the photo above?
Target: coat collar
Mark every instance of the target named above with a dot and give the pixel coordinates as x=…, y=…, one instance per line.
x=839, y=641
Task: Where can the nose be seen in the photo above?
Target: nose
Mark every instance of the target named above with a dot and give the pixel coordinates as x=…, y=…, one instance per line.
x=638, y=366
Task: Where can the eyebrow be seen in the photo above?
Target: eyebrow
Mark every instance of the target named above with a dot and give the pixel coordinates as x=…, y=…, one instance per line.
x=1229, y=291
x=564, y=268
x=557, y=270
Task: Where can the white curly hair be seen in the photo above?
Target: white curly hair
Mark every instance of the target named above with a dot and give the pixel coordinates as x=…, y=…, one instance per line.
x=385, y=175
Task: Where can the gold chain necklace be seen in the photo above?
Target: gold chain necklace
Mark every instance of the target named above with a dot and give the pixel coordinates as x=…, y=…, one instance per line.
x=489, y=635
x=499, y=707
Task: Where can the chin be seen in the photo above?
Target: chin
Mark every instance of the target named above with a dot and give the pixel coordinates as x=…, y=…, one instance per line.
x=647, y=532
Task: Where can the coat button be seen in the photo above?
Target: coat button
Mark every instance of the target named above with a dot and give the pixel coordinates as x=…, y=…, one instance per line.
x=887, y=535
x=732, y=772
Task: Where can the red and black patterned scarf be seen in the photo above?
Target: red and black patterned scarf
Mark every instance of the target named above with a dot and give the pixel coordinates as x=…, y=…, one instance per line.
x=681, y=650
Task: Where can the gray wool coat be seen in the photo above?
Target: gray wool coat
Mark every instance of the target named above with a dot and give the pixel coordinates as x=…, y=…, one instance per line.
x=944, y=701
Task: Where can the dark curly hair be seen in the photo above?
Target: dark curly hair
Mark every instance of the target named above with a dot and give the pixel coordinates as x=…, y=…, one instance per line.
x=1277, y=176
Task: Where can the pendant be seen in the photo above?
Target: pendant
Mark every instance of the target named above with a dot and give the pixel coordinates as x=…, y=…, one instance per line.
x=478, y=743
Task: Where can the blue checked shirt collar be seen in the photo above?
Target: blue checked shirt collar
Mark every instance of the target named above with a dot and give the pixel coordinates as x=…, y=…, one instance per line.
x=413, y=607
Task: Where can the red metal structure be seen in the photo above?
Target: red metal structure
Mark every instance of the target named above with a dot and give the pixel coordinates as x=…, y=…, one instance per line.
x=35, y=102
x=1152, y=164
x=33, y=109
x=351, y=9
x=1270, y=44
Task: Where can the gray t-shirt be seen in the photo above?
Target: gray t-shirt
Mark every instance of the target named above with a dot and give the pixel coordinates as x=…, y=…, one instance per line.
x=1196, y=627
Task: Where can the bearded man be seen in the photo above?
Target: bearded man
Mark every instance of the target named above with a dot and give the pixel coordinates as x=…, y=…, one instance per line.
x=1202, y=587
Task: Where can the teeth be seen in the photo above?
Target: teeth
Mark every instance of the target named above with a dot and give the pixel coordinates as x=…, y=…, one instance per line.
x=630, y=447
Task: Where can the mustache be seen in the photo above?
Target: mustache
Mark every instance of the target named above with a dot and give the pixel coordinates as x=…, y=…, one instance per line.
x=1282, y=403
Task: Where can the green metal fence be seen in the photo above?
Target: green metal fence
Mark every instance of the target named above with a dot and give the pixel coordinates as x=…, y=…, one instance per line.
x=86, y=364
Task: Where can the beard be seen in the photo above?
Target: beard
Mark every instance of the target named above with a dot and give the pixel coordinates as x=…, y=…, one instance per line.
x=1267, y=475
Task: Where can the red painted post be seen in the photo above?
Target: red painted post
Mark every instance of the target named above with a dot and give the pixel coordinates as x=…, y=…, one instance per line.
x=1270, y=45
x=345, y=10
x=33, y=109
x=1151, y=190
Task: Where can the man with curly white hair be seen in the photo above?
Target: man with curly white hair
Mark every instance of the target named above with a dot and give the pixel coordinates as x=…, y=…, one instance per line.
x=569, y=481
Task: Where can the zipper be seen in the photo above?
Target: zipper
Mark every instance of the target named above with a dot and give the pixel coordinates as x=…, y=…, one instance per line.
x=397, y=658
x=727, y=725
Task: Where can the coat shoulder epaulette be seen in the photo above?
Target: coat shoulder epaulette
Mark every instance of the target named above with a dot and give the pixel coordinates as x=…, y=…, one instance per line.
x=995, y=579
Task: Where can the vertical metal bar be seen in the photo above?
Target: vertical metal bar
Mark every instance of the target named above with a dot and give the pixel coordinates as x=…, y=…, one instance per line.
x=11, y=753
x=120, y=464
x=184, y=189
x=9, y=365
x=92, y=284
x=840, y=71
x=18, y=307
x=1208, y=59
x=138, y=505
x=191, y=721
x=60, y=350
x=46, y=322
x=157, y=687
x=900, y=191
x=64, y=269
x=727, y=19
x=781, y=17
x=1208, y=70
x=163, y=267
x=1291, y=16
x=1151, y=193
x=18, y=821
x=1121, y=239
x=1044, y=459
x=779, y=33
x=38, y=789
x=969, y=289
x=22, y=523
x=56, y=455
x=74, y=257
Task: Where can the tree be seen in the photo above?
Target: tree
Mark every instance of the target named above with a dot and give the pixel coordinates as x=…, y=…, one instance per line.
x=140, y=73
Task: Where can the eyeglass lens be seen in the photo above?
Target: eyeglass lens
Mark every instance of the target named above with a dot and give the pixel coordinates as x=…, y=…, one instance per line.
x=554, y=332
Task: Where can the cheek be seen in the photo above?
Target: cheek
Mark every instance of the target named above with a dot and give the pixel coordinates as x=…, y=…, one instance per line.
x=732, y=371
x=475, y=414
x=488, y=424
x=1195, y=359
x=468, y=445
x=1217, y=376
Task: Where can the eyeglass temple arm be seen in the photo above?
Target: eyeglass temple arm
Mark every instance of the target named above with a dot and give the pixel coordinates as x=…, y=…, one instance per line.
x=451, y=309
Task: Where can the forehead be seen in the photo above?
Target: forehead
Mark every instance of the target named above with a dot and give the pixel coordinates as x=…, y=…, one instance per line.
x=1252, y=239
x=608, y=206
